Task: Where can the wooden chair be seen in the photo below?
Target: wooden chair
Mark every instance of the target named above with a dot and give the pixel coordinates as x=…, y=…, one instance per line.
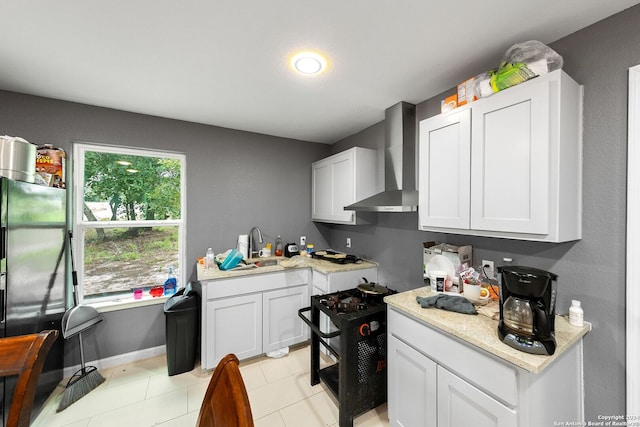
x=24, y=356
x=226, y=403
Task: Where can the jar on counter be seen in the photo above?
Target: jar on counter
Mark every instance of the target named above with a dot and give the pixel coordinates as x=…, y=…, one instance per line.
x=309, y=249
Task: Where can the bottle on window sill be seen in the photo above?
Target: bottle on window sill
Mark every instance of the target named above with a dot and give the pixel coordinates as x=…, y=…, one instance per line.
x=171, y=284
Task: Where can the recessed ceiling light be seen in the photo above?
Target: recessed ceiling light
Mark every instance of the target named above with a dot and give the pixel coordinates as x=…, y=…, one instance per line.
x=308, y=63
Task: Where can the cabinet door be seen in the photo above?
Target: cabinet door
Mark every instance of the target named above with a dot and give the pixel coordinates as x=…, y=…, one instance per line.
x=234, y=325
x=412, y=387
x=445, y=170
x=510, y=161
x=281, y=325
x=321, y=190
x=460, y=404
x=333, y=188
x=343, y=186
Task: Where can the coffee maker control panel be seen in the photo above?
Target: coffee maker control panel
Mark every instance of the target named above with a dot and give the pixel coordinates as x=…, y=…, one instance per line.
x=525, y=344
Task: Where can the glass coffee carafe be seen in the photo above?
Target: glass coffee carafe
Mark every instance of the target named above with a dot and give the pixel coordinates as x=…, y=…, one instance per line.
x=518, y=315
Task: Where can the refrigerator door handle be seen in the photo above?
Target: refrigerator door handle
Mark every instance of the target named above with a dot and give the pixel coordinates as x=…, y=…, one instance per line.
x=3, y=242
x=3, y=291
x=3, y=274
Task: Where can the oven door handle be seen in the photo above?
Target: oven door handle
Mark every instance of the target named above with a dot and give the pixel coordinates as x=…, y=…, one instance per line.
x=313, y=327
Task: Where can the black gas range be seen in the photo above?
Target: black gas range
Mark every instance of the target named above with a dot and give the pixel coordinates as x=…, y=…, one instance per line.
x=358, y=380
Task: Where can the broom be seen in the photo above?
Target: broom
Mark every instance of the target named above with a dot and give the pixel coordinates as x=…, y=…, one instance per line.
x=81, y=383
x=76, y=320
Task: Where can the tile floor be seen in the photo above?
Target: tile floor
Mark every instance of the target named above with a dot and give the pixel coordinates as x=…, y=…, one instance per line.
x=142, y=394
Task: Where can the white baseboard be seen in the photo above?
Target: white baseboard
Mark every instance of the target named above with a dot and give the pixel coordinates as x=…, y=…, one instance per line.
x=120, y=359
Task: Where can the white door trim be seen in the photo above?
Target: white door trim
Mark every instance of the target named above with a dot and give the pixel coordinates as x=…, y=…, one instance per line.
x=633, y=243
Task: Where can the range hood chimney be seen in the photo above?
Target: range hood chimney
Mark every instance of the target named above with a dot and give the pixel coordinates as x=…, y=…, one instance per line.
x=400, y=194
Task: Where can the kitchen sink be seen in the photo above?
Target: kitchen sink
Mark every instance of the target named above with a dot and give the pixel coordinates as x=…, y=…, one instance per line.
x=262, y=262
x=268, y=262
x=243, y=266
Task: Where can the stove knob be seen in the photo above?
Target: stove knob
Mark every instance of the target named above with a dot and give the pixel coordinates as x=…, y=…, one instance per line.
x=365, y=330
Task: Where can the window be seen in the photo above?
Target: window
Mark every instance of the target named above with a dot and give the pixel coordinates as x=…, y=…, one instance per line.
x=129, y=220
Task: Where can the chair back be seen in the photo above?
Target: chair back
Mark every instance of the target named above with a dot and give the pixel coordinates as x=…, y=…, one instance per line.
x=24, y=356
x=226, y=403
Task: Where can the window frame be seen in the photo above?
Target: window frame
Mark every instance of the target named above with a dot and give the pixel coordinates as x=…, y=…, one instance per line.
x=79, y=225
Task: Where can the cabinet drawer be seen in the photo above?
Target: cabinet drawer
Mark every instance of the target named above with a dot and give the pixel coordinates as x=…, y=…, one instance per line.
x=260, y=282
x=474, y=365
x=343, y=280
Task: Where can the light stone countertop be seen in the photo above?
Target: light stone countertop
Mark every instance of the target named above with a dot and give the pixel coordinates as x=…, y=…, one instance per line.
x=482, y=331
x=321, y=266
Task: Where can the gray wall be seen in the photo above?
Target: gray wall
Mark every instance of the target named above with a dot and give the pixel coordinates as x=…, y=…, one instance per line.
x=234, y=180
x=228, y=193
x=592, y=269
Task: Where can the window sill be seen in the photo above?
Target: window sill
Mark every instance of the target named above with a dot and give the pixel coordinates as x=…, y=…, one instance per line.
x=126, y=303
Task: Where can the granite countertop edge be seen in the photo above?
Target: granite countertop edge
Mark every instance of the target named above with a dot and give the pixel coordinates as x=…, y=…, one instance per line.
x=321, y=266
x=481, y=331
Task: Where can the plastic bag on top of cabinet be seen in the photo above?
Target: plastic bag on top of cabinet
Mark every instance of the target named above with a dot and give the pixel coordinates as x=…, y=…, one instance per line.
x=521, y=62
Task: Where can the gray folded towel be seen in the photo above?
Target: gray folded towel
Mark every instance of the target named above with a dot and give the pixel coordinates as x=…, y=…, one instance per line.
x=455, y=303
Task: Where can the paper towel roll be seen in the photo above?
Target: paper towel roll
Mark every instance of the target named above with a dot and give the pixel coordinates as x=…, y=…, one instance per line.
x=243, y=245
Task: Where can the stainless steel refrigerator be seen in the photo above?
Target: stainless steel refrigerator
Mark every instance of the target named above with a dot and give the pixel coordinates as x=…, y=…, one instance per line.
x=32, y=275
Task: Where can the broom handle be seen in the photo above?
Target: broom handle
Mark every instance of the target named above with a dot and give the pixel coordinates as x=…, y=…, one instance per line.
x=81, y=352
x=74, y=275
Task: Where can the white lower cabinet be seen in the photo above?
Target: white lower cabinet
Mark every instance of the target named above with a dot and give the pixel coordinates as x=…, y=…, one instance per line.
x=281, y=325
x=412, y=387
x=253, y=314
x=234, y=326
x=426, y=394
x=437, y=380
x=461, y=404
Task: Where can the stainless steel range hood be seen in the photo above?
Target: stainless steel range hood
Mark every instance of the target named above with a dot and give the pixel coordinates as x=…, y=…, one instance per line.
x=400, y=194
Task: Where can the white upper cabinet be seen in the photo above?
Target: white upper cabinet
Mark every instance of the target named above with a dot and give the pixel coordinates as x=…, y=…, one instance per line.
x=506, y=166
x=340, y=180
x=444, y=172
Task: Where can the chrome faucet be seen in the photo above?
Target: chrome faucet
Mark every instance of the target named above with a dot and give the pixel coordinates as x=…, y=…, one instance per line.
x=251, y=241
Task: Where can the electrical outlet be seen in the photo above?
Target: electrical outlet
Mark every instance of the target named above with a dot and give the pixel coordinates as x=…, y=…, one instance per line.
x=489, y=268
x=348, y=242
x=303, y=242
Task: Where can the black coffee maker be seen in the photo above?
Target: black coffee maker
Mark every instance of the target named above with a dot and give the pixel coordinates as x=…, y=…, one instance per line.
x=527, y=309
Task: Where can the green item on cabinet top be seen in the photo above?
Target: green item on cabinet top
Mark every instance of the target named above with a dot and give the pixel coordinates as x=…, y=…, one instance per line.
x=510, y=74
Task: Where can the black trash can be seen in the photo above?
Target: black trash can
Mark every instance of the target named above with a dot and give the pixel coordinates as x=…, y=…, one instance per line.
x=181, y=312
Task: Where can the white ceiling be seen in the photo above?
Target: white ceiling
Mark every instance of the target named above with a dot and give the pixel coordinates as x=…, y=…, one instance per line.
x=225, y=62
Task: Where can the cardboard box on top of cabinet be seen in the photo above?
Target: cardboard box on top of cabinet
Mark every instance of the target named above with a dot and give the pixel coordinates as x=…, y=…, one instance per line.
x=458, y=255
x=449, y=103
x=466, y=92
